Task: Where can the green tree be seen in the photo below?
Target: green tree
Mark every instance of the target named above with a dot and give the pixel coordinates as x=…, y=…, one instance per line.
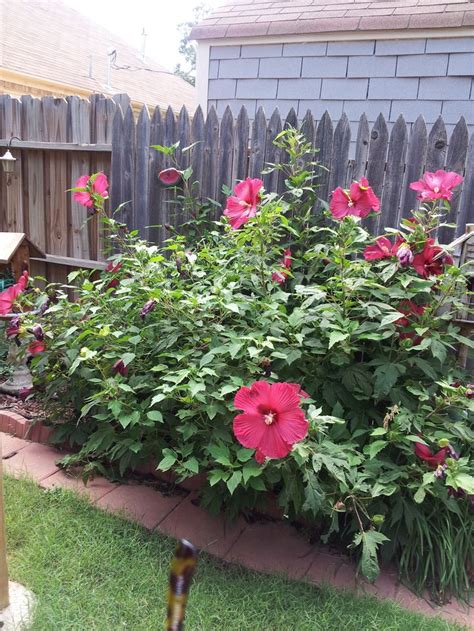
x=187, y=48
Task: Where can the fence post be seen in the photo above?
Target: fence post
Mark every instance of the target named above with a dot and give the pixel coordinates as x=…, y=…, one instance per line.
x=4, y=599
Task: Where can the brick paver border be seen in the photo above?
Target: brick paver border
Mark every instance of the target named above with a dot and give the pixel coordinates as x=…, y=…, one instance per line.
x=271, y=547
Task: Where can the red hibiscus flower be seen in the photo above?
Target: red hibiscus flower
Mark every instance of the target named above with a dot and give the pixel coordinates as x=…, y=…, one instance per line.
x=169, y=176
x=431, y=260
x=113, y=267
x=425, y=453
x=8, y=297
x=281, y=275
x=381, y=249
x=358, y=201
x=112, y=284
x=243, y=205
x=93, y=189
x=37, y=346
x=411, y=312
x=437, y=185
x=272, y=421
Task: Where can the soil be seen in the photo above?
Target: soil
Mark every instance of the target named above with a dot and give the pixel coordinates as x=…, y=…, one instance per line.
x=30, y=408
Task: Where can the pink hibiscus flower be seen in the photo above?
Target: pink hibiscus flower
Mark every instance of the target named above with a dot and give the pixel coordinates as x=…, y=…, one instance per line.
x=438, y=185
x=243, y=205
x=281, y=275
x=169, y=176
x=272, y=421
x=358, y=201
x=425, y=453
x=94, y=188
x=431, y=260
x=8, y=297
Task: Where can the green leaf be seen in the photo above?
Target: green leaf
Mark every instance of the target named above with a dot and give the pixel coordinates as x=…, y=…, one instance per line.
x=234, y=481
x=374, y=448
x=370, y=540
x=157, y=398
x=391, y=318
x=386, y=377
x=337, y=336
x=438, y=350
x=251, y=470
x=170, y=457
x=127, y=358
x=232, y=307
x=463, y=481
x=195, y=387
x=192, y=465
x=155, y=415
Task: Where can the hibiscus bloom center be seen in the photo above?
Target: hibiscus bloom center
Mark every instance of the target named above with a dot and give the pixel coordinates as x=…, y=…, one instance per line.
x=350, y=203
x=269, y=418
x=436, y=189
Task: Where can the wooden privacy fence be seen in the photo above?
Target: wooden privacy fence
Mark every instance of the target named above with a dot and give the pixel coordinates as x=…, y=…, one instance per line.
x=232, y=149
x=60, y=140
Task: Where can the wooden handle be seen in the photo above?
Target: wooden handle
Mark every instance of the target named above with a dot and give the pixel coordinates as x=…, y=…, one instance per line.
x=182, y=570
x=4, y=599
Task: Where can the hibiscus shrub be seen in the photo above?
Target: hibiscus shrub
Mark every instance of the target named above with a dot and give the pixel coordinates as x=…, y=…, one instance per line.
x=285, y=354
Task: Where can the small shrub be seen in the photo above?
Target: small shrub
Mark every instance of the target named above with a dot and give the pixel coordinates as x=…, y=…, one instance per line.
x=151, y=355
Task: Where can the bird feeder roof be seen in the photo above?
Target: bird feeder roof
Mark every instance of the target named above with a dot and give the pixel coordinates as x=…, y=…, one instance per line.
x=11, y=241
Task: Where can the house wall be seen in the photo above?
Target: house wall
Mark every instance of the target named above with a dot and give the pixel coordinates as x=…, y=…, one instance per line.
x=409, y=77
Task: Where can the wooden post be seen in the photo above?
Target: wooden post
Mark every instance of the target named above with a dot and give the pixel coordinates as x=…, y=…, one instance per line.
x=4, y=600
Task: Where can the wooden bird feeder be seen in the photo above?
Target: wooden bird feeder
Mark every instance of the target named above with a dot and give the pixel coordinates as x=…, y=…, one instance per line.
x=16, y=249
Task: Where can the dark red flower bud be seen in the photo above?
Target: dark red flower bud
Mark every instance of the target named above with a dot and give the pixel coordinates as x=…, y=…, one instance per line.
x=13, y=328
x=38, y=332
x=120, y=368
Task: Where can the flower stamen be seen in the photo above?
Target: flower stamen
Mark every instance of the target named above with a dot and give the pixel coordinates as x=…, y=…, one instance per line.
x=269, y=418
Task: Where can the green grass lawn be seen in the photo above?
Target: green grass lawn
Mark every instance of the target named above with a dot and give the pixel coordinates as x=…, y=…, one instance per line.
x=93, y=571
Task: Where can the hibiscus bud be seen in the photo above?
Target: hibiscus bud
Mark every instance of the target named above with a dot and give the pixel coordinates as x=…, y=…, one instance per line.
x=267, y=367
x=38, y=332
x=378, y=520
x=470, y=391
x=13, y=328
x=44, y=307
x=405, y=255
x=147, y=307
x=453, y=453
x=443, y=442
x=339, y=506
x=120, y=368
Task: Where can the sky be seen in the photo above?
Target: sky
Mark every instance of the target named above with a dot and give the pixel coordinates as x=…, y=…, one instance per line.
x=128, y=18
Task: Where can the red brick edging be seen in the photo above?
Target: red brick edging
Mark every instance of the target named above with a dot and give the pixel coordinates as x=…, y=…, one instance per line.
x=180, y=516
